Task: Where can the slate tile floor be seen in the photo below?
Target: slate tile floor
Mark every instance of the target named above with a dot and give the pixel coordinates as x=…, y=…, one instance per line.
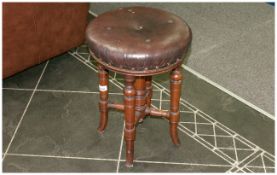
x=50, y=116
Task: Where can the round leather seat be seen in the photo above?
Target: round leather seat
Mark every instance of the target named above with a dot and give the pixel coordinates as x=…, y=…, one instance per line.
x=138, y=40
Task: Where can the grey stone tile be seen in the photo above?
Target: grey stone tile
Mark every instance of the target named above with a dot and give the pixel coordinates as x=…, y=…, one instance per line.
x=153, y=143
x=14, y=103
x=26, y=79
x=153, y=167
x=238, y=16
x=188, y=8
x=244, y=62
x=67, y=73
x=66, y=124
x=224, y=108
x=44, y=164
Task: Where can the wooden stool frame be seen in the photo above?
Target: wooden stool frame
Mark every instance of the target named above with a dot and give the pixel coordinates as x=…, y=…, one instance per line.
x=137, y=105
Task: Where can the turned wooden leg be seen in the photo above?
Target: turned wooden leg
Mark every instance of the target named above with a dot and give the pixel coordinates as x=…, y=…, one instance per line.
x=129, y=116
x=175, y=93
x=140, y=98
x=148, y=91
x=103, y=102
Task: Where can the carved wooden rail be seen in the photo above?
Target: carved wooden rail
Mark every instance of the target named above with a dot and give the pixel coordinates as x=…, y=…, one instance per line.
x=148, y=111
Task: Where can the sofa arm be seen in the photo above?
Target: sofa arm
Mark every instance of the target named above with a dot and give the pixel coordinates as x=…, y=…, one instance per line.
x=35, y=32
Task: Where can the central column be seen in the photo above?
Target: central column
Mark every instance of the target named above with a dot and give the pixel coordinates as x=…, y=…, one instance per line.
x=140, y=98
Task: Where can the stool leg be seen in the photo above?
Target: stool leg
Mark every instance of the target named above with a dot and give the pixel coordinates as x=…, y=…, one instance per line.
x=140, y=98
x=103, y=102
x=175, y=93
x=148, y=90
x=129, y=116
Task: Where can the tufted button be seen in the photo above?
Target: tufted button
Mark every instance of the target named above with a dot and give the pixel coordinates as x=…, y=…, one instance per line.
x=131, y=11
x=140, y=27
x=170, y=21
x=109, y=28
x=148, y=40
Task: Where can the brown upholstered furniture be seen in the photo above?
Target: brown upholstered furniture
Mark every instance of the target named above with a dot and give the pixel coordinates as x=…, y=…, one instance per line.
x=35, y=32
x=138, y=42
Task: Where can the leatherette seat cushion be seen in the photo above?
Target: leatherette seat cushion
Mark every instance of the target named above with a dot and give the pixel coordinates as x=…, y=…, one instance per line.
x=138, y=40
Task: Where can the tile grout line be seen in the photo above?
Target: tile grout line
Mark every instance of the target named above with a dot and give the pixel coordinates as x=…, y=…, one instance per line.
x=24, y=112
x=262, y=157
x=120, y=149
x=195, y=122
x=84, y=62
x=161, y=97
x=235, y=148
x=181, y=163
x=17, y=89
x=61, y=157
x=92, y=13
x=61, y=91
x=270, y=158
x=116, y=160
x=214, y=134
x=248, y=170
x=70, y=91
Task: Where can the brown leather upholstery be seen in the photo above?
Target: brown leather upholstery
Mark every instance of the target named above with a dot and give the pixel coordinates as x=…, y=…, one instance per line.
x=35, y=32
x=138, y=40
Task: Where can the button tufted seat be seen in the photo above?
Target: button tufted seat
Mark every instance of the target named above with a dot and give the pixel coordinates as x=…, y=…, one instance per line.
x=138, y=40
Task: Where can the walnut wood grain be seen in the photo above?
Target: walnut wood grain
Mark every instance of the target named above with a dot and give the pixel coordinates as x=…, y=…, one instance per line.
x=129, y=116
x=140, y=98
x=175, y=93
x=149, y=89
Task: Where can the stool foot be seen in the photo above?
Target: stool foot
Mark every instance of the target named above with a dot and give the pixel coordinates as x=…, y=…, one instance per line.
x=103, y=122
x=100, y=131
x=140, y=101
x=129, y=152
x=174, y=134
